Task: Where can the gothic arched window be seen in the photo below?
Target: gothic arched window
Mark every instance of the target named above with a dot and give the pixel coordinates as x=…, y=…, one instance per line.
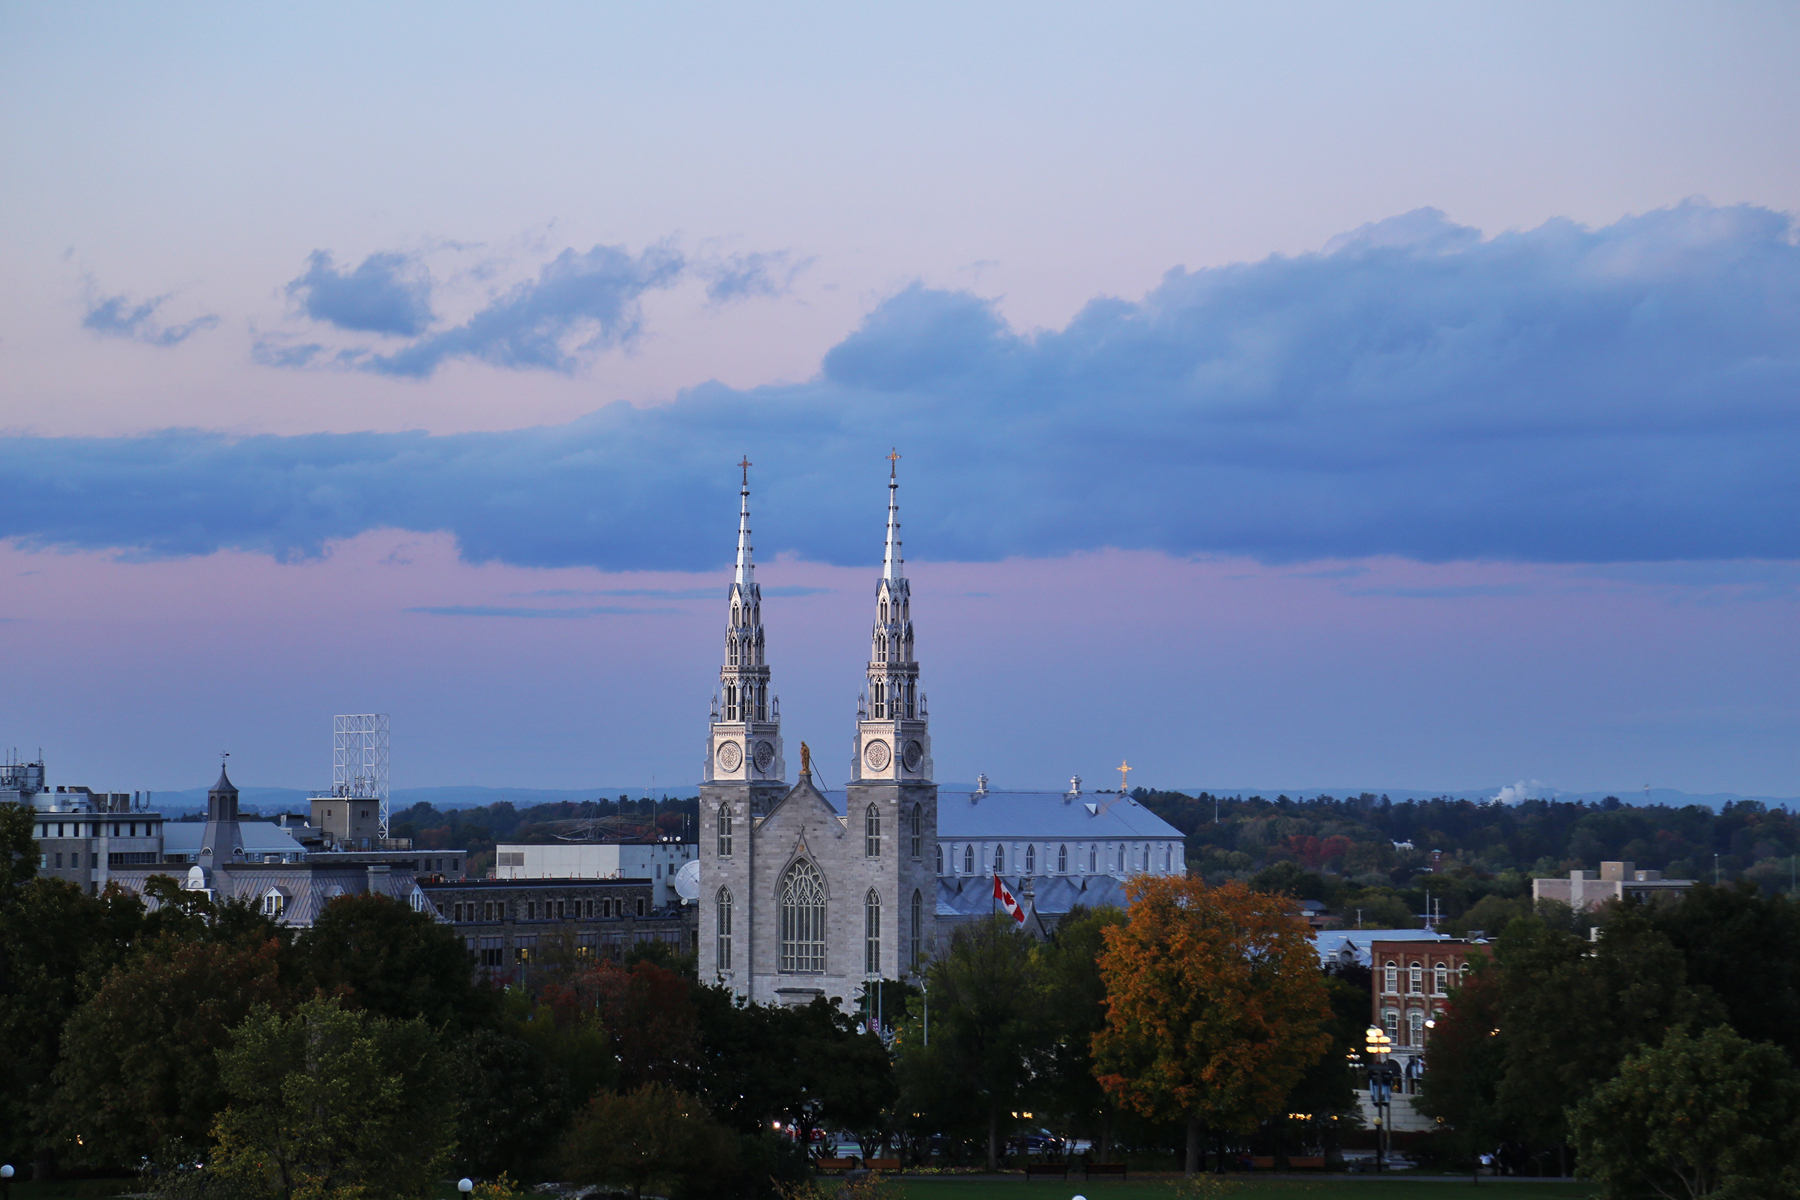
x=1093, y=859
x=759, y=647
x=940, y=858
x=724, y=831
x=872, y=933
x=731, y=649
x=881, y=648
x=884, y=613
x=803, y=919
x=1062, y=860
x=916, y=930
x=762, y=696
x=918, y=831
x=912, y=703
x=999, y=860
x=872, y=832
x=722, y=923
x=1031, y=860
x=968, y=860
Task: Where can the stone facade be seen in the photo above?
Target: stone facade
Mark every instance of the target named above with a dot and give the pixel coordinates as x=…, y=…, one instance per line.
x=799, y=900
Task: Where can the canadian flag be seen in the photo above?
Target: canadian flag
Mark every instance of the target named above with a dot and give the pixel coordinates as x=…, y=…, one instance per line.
x=1007, y=902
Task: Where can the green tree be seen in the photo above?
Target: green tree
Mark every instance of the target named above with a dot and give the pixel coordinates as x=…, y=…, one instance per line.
x=18, y=850
x=986, y=1024
x=1572, y=1010
x=335, y=1103
x=138, y=1057
x=1745, y=948
x=1714, y=1115
x=381, y=955
x=1215, y=1006
x=1074, y=1012
x=1462, y=1089
x=653, y=1135
x=515, y=1104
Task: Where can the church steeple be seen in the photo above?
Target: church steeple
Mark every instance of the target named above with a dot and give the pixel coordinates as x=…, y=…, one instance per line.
x=745, y=743
x=892, y=740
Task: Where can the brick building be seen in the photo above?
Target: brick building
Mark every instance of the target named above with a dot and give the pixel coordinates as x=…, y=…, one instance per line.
x=1411, y=983
x=514, y=925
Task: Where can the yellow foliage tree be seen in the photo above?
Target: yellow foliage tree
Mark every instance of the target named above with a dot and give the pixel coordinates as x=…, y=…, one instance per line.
x=1215, y=1006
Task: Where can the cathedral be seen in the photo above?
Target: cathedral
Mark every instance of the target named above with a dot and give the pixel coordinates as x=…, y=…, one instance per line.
x=807, y=893
x=798, y=898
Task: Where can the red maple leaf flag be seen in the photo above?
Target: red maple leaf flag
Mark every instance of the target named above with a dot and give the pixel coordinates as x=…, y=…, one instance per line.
x=1007, y=902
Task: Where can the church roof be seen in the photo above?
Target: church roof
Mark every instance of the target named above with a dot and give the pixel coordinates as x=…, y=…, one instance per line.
x=260, y=837
x=1087, y=816
x=971, y=897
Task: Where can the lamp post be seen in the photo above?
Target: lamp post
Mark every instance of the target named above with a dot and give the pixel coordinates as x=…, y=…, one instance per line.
x=1380, y=1087
x=465, y=1186
x=6, y=1174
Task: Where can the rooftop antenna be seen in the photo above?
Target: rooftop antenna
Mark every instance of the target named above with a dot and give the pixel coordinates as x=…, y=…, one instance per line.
x=359, y=762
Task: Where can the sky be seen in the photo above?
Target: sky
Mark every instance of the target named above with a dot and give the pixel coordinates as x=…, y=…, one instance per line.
x=1295, y=395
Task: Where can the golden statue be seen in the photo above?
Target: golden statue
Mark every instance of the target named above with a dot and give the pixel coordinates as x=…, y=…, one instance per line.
x=805, y=759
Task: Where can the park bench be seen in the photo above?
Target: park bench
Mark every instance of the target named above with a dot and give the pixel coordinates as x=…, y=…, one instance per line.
x=836, y=1164
x=883, y=1164
x=1046, y=1171
x=1093, y=1169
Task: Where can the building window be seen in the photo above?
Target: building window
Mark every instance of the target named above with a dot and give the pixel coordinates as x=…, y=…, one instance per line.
x=1062, y=860
x=1440, y=980
x=1415, y=1028
x=1167, y=851
x=590, y=910
x=1390, y=1021
x=640, y=906
x=940, y=859
x=606, y=908
x=872, y=933
x=1031, y=859
x=969, y=860
x=273, y=903
x=916, y=954
x=999, y=860
x=724, y=831
x=1391, y=980
x=872, y=832
x=803, y=919
x=1093, y=856
x=1415, y=980
x=722, y=915
x=918, y=831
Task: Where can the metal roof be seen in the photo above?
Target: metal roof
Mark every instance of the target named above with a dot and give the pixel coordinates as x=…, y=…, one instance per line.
x=1084, y=816
x=260, y=837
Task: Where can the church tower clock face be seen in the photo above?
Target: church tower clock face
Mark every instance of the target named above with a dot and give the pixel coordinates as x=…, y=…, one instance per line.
x=731, y=755
x=877, y=754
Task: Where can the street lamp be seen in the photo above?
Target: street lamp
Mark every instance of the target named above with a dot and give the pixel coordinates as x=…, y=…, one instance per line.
x=1381, y=1087
x=6, y=1174
x=465, y=1186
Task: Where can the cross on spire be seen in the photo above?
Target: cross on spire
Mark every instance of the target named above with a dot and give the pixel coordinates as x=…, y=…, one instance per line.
x=1125, y=769
x=746, y=464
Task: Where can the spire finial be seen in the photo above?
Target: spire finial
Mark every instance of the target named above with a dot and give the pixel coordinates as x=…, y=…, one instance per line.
x=892, y=564
x=746, y=567
x=1125, y=769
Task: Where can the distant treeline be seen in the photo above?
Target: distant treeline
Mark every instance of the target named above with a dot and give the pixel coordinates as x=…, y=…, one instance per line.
x=1343, y=851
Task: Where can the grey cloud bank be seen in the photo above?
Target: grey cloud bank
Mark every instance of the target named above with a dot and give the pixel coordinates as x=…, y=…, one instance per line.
x=1630, y=393
x=388, y=293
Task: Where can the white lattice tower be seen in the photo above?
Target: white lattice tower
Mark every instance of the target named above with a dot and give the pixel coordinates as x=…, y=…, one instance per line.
x=359, y=761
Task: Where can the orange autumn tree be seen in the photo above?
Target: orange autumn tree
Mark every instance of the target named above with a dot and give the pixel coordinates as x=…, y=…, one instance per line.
x=1215, y=1006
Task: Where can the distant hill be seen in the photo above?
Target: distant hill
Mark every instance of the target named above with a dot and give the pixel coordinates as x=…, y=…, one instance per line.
x=1509, y=792
x=274, y=800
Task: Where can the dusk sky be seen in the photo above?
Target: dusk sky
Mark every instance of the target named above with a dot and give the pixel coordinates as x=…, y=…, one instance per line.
x=1288, y=395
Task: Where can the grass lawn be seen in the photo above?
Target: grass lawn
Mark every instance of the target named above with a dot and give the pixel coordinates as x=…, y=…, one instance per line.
x=1362, y=1187
x=72, y=1189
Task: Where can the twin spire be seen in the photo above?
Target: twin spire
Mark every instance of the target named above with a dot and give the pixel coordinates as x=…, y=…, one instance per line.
x=753, y=749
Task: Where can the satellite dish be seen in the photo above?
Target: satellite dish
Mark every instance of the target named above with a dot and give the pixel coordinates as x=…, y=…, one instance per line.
x=687, y=881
